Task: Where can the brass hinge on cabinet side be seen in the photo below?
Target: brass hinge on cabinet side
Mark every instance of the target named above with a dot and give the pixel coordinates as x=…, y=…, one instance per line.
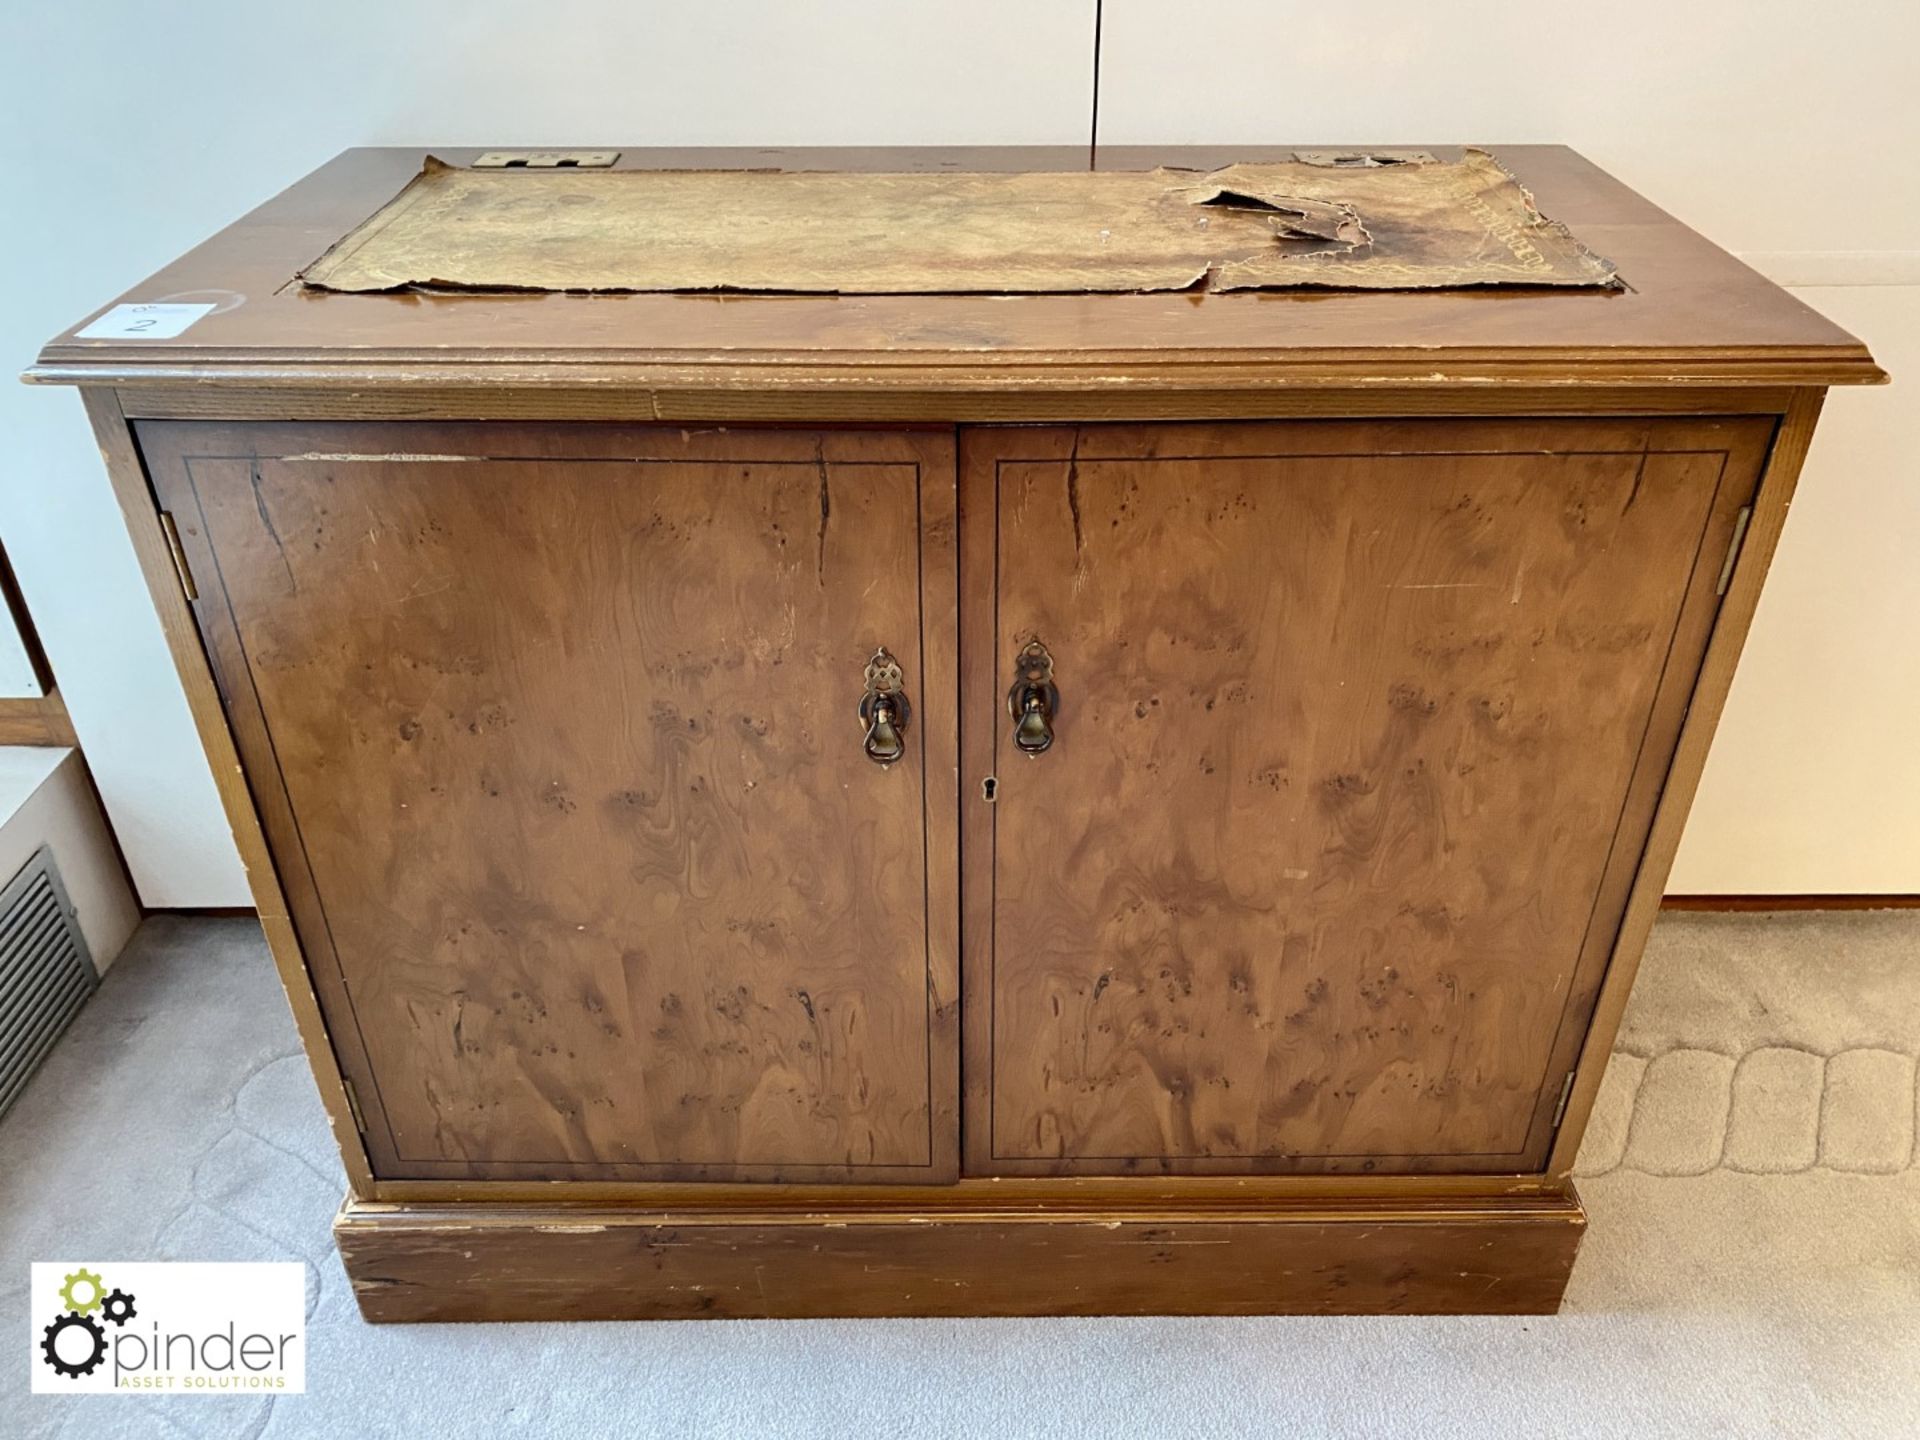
x=1566, y=1094
x=353, y=1104
x=178, y=551
x=546, y=159
x=1733, y=548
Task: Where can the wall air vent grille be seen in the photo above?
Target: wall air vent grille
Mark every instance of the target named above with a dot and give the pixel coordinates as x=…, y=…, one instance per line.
x=46, y=972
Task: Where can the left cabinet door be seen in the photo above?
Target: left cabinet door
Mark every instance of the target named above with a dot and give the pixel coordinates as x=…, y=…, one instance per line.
x=554, y=733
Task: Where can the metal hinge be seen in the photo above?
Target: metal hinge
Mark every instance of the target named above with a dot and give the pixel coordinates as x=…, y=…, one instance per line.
x=546, y=159
x=1733, y=548
x=178, y=551
x=353, y=1104
x=1566, y=1094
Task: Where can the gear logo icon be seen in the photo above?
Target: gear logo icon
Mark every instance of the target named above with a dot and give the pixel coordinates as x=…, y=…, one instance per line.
x=73, y=1369
x=75, y=1342
x=88, y=1285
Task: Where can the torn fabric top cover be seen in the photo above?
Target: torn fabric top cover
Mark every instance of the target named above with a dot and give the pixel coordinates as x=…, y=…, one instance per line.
x=1406, y=224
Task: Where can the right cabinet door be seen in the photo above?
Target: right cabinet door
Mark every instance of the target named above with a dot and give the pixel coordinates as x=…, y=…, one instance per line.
x=1357, y=731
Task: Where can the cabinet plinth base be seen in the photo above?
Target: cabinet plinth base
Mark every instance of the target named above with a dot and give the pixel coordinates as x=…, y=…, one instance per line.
x=1504, y=1255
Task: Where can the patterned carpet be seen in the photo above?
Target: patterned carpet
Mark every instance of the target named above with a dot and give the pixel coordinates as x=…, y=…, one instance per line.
x=1772, y=1045
x=1753, y=1268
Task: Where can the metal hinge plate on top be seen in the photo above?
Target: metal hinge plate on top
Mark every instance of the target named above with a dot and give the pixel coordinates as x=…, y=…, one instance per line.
x=353, y=1105
x=546, y=159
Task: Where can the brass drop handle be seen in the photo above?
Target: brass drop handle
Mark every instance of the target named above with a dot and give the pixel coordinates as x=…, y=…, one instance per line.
x=884, y=710
x=1034, y=700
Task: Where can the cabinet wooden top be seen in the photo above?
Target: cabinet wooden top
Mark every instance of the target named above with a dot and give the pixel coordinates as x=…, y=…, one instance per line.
x=1692, y=314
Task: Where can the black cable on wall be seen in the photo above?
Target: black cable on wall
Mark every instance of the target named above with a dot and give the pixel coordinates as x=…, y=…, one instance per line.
x=1093, y=135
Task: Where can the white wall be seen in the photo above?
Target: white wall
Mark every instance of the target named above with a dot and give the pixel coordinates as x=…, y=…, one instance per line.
x=1767, y=124
x=19, y=680
x=135, y=130
x=1784, y=134
x=138, y=129
x=1813, y=786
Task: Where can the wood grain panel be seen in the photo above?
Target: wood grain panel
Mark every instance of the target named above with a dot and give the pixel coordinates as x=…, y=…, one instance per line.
x=1784, y=456
x=127, y=470
x=1284, y=399
x=561, y=725
x=1337, y=1257
x=1330, y=850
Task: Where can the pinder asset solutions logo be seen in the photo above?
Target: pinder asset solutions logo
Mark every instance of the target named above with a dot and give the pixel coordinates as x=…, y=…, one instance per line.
x=169, y=1328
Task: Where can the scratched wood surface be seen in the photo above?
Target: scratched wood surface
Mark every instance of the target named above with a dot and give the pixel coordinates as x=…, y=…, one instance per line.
x=1340, y=1257
x=1693, y=314
x=553, y=731
x=1360, y=730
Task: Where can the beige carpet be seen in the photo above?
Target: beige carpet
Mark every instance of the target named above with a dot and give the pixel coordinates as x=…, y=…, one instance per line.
x=1753, y=1268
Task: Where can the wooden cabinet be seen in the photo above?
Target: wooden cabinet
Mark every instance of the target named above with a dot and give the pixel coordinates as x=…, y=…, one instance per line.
x=1359, y=731
x=958, y=804
x=553, y=730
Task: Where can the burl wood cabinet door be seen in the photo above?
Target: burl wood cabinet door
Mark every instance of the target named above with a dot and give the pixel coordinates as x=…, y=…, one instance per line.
x=554, y=732
x=1358, y=735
